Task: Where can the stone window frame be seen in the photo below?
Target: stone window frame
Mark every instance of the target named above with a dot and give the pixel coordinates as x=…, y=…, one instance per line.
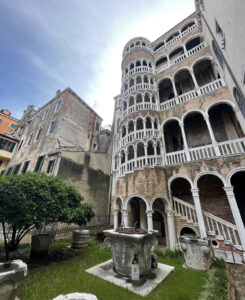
x=46, y=113
x=38, y=133
x=50, y=126
x=58, y=105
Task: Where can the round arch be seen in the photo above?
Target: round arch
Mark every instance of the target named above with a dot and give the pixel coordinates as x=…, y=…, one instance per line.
x=182, y=69
x=171, y=179
x=233, y=172
x=162, y=79
x=189, y=112
x=187, y=226
x=117, y=197
x=170, y=119
x=165, y=201
x=209, y=173
x=193, y=37
x=207, y=57
x=222, y=101
x=136, y=196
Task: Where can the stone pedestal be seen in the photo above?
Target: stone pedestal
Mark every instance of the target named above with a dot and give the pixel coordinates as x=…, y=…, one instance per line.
x=11, y=275
x=80, y=239
x=40, y=244
x=125, y=246
x=197, y=252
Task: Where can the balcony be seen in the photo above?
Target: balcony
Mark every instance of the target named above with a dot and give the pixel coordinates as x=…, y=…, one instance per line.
x=182, y=57
x=138, y=47
x=137, y=107
x=139, y=135
x=140, y=87
x=182, y=34
x=136, y=70
x=222, y=149
x=206, y=89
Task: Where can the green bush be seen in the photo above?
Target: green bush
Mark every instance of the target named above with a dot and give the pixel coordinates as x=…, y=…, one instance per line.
x=169, y=254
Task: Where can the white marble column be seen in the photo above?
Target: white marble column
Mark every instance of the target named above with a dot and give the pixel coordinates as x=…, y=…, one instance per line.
x=146, y=157
x=149, y=219
x=194, y=80
x=142, y=215
x=211, y=133
x=171, y=230
x=198, y=208
x=116, y=218
x=236, y=215
x=185, y=142
x=125, y=217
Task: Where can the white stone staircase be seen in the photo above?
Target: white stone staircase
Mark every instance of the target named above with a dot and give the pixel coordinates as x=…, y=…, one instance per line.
x=215, y=226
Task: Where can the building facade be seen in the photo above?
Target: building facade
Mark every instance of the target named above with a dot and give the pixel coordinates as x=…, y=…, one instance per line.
x=178, y=148
x=8, y=124
x=64, y=138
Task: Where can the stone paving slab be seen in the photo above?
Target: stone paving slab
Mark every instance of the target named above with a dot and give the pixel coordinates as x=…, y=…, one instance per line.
x=142, y=288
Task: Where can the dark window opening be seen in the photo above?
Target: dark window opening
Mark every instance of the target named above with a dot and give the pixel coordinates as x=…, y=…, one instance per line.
x=177, y=52
x=162, y=60
x=183, y=82
x=165, y=90
x=204, y=72
x=39, y=163
x=150, y=148
x=187, y=26
x=173, y=137
x=172, y=37
x=51, y=165
x=16, y=169
x=159, y=46
x=193, y=43
x=25, y=166
x=6, y=145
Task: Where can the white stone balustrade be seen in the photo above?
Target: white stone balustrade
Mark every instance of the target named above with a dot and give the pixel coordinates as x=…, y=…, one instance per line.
x=181, y=57
x=138, y=47
x=140, y=69
x=182, y=34
x=138, y=106
x=139, y=135
x=140, y=87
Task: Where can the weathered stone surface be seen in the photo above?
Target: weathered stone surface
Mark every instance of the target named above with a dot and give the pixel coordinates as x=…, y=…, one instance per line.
x=80, y=239
x=76, y=296
x=197, y=252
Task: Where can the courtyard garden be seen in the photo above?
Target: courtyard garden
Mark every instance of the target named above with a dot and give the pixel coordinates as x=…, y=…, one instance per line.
x=62, y=271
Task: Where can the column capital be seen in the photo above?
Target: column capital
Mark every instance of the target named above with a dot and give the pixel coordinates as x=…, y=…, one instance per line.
x=169, y=213
x=150, y=212
x=229, y=190
x=124, y=210
x=195, y=191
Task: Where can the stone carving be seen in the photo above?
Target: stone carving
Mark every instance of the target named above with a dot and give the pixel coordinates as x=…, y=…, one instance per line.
x=228, y=257
x=197, y=252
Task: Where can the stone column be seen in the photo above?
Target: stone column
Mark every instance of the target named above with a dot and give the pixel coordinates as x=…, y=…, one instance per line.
x=198, y=208
x=236, y=215
x=126, y=159
x=149, y=219
x=152, y=127
x=174, y=88
x=185, y=51
x=125, y=217
x=116, y=218
x=144, y=128
x=171, y=230
x=146, y=157
x=135, y=156
x=185, y=142
x=211, y=133
x=194, y=80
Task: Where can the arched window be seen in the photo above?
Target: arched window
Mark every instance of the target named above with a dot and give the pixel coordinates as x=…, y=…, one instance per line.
x=139, y=98
x=131, y=101
x=138, y=63
x=130, y=126
x=123, y=131
x=159, y=46
x=122, y=157
x=158, y=148
x=146, y=79
x=140, y=150
x=144, y=63
x=124, y=105
x=130, y=152
x=148, y=123
x=150, y=148
x=139, y=124
x=131, y=82
x=147, y=97
x=131, y=66
x=138, y=79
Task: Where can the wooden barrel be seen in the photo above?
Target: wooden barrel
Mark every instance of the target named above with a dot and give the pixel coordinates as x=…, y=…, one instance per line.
x=80, y=239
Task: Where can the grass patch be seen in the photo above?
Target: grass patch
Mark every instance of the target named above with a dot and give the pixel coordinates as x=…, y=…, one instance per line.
x=169, y=254
x=69, y=276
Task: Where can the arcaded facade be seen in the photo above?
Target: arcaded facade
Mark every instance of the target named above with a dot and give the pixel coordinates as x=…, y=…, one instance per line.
x=178, y=149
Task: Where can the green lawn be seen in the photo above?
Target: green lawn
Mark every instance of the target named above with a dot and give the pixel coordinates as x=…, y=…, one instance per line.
x=47, y=282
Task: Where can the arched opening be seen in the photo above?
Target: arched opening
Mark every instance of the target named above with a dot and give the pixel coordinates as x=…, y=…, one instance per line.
x=132, y=46
x=240, y=100
x=126, y=71
x=137, y=213
x=172, y=37
x=125, y=87
x=213, y=198
x=187, y=231
x=131, y=101
x=159, y=221
x=138, y=63
x=143, y=44
x=147, y=97
x=193, y=43
x=118, y=206
x=158, y=148
x=140, y=149
x=131, y=82
x=123, y=131
x=151, y=80
x=139, y=98
x=131, y=66
x=153, y=99
x=173, y=136
x=137, y=43
x=187, y=26
x=122, y=157
x=159, y=46
x=196, y=130
x=177, y=52
x=130, y=152
x=146, y=79
x=155, y=123
x=124, y=105
x=166, y=91
x=204, y=72
x=138, y=79
x=150, y=148
x=181, y=189
x=148, y=123
x=183, y=82
x=139, y=124
x=144, y=63
x=162, y=61
x=224, y=123
x=237, y=181
x=130, y=126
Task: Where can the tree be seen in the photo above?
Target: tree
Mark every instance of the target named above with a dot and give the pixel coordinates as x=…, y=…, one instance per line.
x=32, y=200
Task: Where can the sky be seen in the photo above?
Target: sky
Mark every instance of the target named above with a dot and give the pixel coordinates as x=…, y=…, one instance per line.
x=46, y=45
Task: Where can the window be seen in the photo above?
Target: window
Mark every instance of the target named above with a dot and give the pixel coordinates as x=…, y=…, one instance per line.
x=25, y=166
x=45, y=115
x=94, y=146
x=36, y=121
x=9, y=171
x=29, y=139
x=16, y=169
x=39, y=163
x=38, y=133
x=218, y=53
x=51, y=166
x=1, y=120
x=1, y=162
x=97, y=126
x=12, y=126
x=6, y=145
x=220, y=35
x=52, y=126
x=20, y=145
x=201, y=5
x=58, y=105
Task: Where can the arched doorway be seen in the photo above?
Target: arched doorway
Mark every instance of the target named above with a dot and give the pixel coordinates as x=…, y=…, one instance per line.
x=237, y=181
x=187, y=231
x=159, y=221
x=137, y=213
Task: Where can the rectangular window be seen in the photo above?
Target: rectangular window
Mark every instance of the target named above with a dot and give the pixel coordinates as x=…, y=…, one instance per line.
x=12, y=126
x=45, y=115
x=25, y=166
x=9, y=171
x=29, y=139
x=97, y=126
x=38, y=133
x=58, y=105
x=51, y=165
x=220, y=35
x=36, y=121
x=16, y=169
x=39, y=163
x=20, y=145
x=52, y=126
x=6, y=145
